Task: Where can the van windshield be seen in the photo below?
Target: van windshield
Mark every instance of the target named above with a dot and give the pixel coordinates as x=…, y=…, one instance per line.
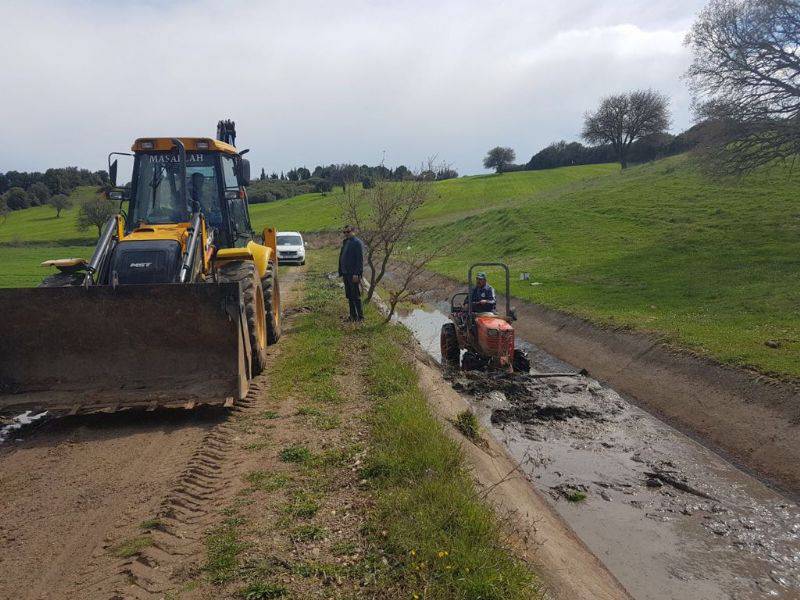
x=158, y=198
x=289, y=240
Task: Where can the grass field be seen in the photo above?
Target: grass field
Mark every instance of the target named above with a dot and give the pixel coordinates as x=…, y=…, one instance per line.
x=708, y=265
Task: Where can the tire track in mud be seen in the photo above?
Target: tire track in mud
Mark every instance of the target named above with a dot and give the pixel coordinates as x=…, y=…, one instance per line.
x=185, y=513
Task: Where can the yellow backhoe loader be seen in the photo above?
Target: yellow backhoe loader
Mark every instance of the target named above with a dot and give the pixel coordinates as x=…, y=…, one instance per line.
x=175, y=307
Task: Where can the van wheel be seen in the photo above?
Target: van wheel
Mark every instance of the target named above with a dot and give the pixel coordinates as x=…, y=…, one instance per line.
x=253, y=297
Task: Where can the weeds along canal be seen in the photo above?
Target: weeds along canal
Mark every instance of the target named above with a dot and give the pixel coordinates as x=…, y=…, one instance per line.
x=668, y=517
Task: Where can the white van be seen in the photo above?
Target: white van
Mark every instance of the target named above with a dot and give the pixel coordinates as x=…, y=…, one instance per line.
x=291, y=248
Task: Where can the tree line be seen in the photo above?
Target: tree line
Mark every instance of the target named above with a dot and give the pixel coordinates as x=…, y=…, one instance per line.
x=20, y=189
x=324, y=179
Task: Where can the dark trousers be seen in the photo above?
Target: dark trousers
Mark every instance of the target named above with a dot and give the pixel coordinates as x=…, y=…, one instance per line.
x=352, y=290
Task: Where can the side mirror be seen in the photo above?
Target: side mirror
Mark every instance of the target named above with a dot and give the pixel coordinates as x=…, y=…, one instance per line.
x=116, y=195
x=112, y=173
x=244, y=168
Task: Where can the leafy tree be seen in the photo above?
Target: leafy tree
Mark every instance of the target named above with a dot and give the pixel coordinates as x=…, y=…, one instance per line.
x=293, y=175
x=263, y=174
x=498, y=158
x=16, y=198
x=745, y=79
x=60, y=202
x=39, y=194
x=303, y=173
x=96, y=211
x=321, y=186
x=3, y=183
x=402, y=172
x=622, y=119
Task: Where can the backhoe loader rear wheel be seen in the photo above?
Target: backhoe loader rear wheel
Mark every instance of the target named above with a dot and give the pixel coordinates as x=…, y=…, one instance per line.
x=254, y=307
x=62, y=280
x=448, y=343
x=272, y=301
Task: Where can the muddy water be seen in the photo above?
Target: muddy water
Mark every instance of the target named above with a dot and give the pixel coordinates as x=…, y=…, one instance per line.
x=667, y=516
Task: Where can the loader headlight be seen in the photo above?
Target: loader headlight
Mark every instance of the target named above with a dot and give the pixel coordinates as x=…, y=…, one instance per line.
x=492, y=332
x=202, y=145
x=147, y=145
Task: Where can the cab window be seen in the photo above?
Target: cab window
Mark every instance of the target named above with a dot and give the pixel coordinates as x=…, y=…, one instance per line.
x=236, y=204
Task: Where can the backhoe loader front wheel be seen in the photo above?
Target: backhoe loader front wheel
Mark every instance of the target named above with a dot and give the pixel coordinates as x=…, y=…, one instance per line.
x=254, y=307
x=272, y=301
x=62, y=280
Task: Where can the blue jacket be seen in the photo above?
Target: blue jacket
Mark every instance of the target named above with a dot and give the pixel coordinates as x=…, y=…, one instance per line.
x=351, y=257
x=483, y=293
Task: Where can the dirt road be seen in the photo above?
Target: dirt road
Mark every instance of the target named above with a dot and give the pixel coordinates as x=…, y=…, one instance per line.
x=79, y=496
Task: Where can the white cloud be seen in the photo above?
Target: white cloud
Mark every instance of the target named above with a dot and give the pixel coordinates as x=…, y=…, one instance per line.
x=321, y=82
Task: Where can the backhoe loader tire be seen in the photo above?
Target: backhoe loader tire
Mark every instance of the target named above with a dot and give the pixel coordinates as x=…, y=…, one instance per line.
x=448, y=343
x=62, y=280
x=272, y=303
x=521, y=362
x=253, y=298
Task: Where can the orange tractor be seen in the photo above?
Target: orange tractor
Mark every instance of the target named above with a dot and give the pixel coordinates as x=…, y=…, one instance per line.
x=486, y=338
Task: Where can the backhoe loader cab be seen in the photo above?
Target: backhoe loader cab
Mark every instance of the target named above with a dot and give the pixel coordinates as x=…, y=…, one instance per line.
x=176, y=305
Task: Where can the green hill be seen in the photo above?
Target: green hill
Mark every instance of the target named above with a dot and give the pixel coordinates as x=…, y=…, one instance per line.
x=708, y=265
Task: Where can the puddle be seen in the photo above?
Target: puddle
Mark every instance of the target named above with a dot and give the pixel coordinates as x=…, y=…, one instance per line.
x=14, y=424
x=667, y=516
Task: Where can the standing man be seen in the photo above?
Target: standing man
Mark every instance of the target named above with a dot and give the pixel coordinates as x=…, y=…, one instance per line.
x=351, y=268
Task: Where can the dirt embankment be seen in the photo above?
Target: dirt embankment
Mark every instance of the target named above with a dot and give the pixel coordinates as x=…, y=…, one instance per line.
x=749, y=418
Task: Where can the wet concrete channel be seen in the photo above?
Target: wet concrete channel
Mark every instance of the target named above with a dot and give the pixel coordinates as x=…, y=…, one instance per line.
x=668, y=517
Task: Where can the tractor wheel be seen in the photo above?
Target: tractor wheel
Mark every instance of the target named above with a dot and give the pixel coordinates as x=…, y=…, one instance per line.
x=62, y=280
x=521, y=363
x=472, y=362
x=448, y=343
x=272, y=302
x=253, y=296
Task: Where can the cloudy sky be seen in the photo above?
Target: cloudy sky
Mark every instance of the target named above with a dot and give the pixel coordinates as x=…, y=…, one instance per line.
x=319, y=82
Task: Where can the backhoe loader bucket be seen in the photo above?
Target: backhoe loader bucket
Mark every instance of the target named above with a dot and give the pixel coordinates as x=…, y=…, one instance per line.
x=76, y=350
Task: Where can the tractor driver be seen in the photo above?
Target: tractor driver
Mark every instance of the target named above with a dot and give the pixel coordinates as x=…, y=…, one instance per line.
x=483, y=298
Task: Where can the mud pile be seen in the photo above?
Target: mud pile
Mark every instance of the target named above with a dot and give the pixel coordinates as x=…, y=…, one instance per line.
x=621, y=474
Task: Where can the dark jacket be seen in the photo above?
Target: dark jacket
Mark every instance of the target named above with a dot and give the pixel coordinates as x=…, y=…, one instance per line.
x=351, y=257
x=483, y=293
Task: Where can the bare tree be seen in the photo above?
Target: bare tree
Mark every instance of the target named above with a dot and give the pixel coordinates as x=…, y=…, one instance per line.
x=498, y=158
x=622, y=119
x=411, y=277
x=745, y=80
x=383, y=216
x=95, y=211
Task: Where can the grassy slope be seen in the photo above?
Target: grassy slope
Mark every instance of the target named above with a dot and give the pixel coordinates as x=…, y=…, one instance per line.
x=451, y=199
x=39, y=224
x=709, y=265
x=30, y=236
